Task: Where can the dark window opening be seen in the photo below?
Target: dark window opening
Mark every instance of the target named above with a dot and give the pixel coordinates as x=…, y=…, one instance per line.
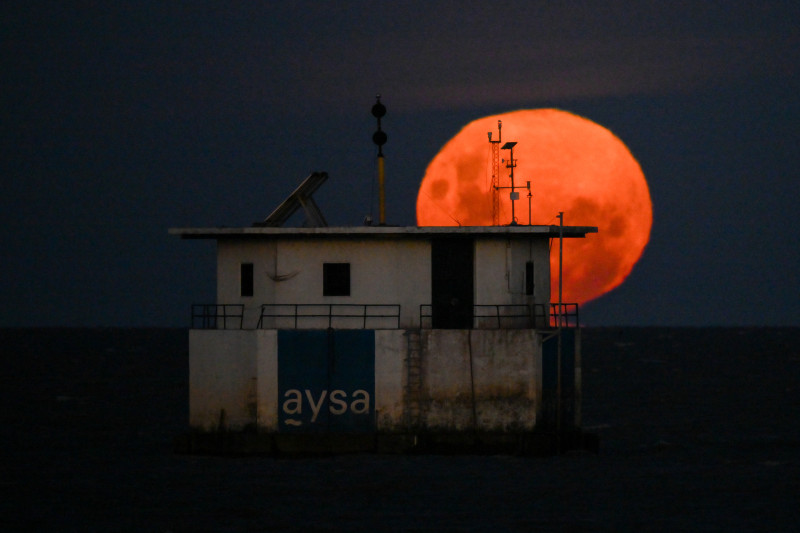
x=529, y=277
x=246, y=278
x=336, y=279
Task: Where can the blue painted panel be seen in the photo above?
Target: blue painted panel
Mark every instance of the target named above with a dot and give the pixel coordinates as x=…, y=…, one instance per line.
x=326, y=381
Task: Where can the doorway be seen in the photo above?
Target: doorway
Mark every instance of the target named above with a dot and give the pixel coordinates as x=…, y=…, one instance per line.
x=452, y=294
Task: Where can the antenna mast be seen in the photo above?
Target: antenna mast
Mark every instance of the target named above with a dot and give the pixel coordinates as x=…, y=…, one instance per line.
x=511, y=164
x=496, y=173
x=379, y=138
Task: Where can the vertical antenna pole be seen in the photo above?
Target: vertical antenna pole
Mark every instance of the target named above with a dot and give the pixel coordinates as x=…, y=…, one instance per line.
x=560, y=262
x=511, y=164
x=496, y=173
x=560, y=319
x=379, y=138
x=381, y=191
x=529, y=203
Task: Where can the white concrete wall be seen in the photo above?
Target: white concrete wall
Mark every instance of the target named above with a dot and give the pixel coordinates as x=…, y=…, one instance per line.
x=234, y=371
x=222, y=379
x=471, y=379
x=541, y=274
x=230, y=255
x=395, y=272
x=381, y=272
x=500, y=275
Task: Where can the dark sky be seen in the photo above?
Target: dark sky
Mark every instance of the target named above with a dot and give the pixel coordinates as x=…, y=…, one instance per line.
x=122, y=119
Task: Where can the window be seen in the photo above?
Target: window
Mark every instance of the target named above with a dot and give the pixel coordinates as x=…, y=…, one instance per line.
x=246, y=278
x=336, y=279
x=529, y=277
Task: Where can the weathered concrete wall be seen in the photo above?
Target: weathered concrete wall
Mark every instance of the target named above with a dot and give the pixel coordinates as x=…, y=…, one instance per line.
x=391, y=348
x=222, y=379
x=266, y=376
x=469, y=379
x=233, y=379
x=481, y=379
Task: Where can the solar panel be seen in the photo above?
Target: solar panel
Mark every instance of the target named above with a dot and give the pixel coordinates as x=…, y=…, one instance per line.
x=301, y=197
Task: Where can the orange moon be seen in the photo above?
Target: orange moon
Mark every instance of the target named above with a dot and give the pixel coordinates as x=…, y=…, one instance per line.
x=574, y=165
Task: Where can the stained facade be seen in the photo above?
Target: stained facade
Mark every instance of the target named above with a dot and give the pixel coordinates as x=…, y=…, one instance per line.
x=383, y=334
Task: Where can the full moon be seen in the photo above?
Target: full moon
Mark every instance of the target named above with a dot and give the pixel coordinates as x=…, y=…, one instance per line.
x=573, y=165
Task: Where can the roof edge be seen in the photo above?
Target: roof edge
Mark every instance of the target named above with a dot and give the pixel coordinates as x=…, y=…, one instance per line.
x=381, y=231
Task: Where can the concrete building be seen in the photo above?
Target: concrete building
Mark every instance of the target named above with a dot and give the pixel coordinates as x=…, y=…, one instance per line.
x=380, y=338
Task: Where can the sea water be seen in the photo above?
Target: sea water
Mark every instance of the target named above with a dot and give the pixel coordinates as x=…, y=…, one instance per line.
x=699, y=431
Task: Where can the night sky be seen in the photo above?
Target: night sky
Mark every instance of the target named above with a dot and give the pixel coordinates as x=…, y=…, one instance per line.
x=123, y=119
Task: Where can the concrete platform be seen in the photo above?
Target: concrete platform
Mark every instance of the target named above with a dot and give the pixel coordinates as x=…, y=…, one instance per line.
x=247, y=443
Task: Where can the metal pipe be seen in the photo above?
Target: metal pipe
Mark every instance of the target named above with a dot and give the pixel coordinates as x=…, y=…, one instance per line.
x=560, y=318
x=381, y=192
x=379, y=138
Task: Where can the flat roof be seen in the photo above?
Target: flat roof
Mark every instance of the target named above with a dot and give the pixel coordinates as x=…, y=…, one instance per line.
x=383, y=231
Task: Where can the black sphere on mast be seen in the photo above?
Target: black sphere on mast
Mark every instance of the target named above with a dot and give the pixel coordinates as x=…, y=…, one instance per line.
x=379, y=137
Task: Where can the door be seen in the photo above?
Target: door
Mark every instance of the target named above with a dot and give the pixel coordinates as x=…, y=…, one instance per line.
x=452, y=269
x=326, y=381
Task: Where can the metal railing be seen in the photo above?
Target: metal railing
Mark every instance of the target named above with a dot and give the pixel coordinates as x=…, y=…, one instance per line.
x=217, y=316
x=380, y=316
x=502, y=315
x=345, y=316
x=487, y=316
x=512, y=316
x=564, y=315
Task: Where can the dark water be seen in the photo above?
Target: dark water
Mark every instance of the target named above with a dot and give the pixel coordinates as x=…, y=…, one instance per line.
x=700, y=431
